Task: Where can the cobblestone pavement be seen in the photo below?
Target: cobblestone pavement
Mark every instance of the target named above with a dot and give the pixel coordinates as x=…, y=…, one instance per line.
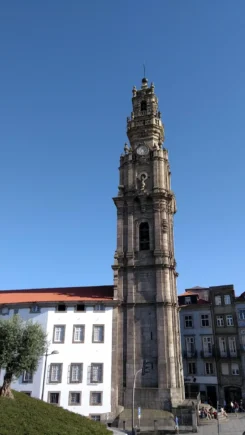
x=232, y=425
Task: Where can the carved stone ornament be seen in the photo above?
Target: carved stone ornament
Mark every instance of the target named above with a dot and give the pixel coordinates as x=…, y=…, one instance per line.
x=164, y=225
x=172, y=208
x=156, y=207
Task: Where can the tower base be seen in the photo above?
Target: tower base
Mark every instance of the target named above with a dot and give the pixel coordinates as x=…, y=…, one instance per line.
x=154, y=398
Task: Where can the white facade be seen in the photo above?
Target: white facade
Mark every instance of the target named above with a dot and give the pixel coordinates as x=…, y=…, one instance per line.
x=94, y=347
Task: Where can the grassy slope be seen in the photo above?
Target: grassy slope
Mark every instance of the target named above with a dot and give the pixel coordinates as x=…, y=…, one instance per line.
x=28, y=416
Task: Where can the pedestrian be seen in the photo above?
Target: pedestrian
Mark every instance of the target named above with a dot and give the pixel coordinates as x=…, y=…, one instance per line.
x=236, y=406
x=223, y=412
x=176, y=424
x=232, y=407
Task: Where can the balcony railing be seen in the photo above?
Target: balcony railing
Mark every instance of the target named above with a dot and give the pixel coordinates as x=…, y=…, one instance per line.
x=190, y=354
x=207, y=354
x=227, y=354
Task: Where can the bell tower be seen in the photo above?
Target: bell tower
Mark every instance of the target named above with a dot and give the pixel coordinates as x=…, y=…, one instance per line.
x=144, y=266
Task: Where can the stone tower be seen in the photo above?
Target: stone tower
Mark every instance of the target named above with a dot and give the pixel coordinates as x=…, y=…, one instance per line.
x=144, y=267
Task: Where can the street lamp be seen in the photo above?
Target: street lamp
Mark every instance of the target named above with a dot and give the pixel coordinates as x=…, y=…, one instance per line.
x=54, y=352
x=135, y=376
x=147, y=366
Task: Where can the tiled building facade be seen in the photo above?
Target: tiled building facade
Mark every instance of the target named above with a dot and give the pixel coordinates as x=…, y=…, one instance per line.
x=212, y=320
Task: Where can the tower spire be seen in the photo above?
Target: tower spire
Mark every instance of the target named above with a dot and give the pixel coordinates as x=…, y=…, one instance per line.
x=145, y=268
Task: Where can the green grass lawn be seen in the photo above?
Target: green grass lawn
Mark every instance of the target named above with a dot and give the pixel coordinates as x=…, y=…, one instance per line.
x=28, y=416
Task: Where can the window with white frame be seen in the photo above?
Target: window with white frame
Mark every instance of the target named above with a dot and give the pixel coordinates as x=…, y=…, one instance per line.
x=27, y=377
x=61, y=308
x=204, y=320
x=95, y=417
x=54, y=398
x=242, y=314
x=218, y=300
x=5, y=311
x=80, y=307
x=209, y=368
x=98, y=333
x=188, y=322
x=190, y=346
x=76, y=372
x=232, y=346
x=222, y=346
x=229, y=320
x=99, y=307
x=96, y=373
x=225, y=369
x=207, y=343
x=55, y=373
x=74, y=398
x=35, y=309
x=59, y=334
x=243, y=340
x=219, y=320
x=235, y=369
x=187, y=300
x=191, y=368
x=78, y=333
x=227, y=299
x=95, y=398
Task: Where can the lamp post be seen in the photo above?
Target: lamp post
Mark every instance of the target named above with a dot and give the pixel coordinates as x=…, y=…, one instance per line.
x=54, y=352
x=147, y=366
x=135, y=376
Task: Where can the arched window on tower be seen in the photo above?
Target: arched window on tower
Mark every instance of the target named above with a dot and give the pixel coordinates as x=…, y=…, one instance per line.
x=144, y=234
x=143, y=106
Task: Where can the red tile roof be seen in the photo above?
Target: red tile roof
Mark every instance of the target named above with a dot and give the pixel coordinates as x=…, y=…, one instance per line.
x=62, y=294
x=188, y=293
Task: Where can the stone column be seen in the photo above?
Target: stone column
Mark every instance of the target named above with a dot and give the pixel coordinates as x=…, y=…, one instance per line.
x=155, y=171
x=120, y=232
x=130, y=344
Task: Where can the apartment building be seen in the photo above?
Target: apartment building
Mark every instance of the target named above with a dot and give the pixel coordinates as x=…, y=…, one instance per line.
x=227, y=347
x=76, y=373
x=240, y=311
x=197, y=347
x=216, y=342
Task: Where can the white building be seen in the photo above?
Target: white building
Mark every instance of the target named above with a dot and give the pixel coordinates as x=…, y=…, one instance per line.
x=78, y=322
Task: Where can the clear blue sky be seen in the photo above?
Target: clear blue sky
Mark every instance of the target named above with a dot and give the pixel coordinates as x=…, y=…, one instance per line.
x=67, y=69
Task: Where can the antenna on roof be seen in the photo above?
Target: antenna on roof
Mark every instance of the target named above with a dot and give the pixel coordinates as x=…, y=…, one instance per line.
x=144, y=69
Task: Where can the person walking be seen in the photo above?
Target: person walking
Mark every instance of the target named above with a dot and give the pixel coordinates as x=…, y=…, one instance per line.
x=176, y=424
x=236, y=406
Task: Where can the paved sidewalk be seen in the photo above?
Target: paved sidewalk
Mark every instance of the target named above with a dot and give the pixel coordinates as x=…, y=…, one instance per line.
x=232, y=425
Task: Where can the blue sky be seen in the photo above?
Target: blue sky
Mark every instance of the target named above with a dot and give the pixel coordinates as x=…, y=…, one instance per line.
x=67, y=69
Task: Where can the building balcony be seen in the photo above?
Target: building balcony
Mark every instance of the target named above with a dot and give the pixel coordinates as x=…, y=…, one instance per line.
x=227, y=354
x=206, y=354
x=236, y=354
x=189, y=354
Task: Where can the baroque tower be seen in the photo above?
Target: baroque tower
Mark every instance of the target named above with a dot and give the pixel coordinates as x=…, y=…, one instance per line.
x=144, y=267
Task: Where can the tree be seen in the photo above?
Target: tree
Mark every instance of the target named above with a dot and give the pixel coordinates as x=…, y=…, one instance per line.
x=21, y=346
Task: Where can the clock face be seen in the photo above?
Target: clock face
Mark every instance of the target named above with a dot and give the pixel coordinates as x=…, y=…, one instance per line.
x=142, y=150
